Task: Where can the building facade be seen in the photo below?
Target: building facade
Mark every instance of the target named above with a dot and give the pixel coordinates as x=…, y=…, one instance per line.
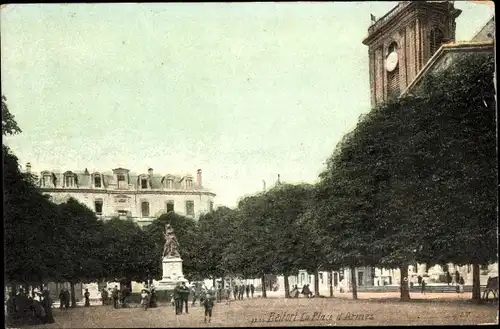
x=120, y=193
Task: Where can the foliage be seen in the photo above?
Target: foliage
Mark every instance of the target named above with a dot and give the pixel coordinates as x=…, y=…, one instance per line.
x=29, y=218
x=186, y=232
x=9, y=125
x=216, y=230
x=128, y=253
x=79, y=242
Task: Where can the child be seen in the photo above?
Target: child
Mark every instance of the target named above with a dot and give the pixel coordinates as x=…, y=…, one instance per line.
x=208, y=303
x=145, y=299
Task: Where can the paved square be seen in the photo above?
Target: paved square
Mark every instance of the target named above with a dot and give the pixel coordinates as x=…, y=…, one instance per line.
x=285, y=312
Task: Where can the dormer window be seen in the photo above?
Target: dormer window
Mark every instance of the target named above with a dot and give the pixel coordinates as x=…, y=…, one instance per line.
x=189, y=182
x=120, y=177
x=70, y=179
x=97, y=181
x=144, y=183
x=46, y=180
x=168, y=182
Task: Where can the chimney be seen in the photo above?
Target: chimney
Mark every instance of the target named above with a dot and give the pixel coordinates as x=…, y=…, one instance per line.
x=198, y=177
x=150, y=171
x=263, y=185
x=279, y=182
x=86, y=172
x=28, y=167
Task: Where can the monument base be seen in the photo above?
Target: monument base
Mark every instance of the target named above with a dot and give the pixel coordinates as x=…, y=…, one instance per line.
x=172, y=274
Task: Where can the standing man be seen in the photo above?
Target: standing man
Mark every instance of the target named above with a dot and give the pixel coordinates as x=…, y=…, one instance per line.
x=247, y=290
x=252, y=289
x=67, y=297
x=114, y=295
x=87, y=298
x=104, y=296
x=242, y=291
x=235, y=291
x=177, y=299
x=184, y=296
x=62, y=302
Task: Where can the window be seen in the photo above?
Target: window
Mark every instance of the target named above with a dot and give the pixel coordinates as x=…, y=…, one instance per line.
x=170, y=206
x=145, y=209
x=437, y=39
x=415, y=268
x=302, y=278
x=169, y=183
x=321, y=278
x=98, y=206
x=46, y=180
x=97, y=181
x=120, y=177
x=468, y=268
x=210, y=206
x=189, y=183
x=309, y=278
x=69, y=180
x=190, y=208
x=144, y=183
x=360, y=279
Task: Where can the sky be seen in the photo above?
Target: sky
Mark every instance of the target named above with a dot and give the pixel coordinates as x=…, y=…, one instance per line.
x=243, y=91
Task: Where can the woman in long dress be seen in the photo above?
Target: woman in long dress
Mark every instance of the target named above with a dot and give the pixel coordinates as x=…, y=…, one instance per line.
x=47, y=307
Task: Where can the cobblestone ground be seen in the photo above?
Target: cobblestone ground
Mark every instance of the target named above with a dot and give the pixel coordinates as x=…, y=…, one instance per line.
x=383, y=310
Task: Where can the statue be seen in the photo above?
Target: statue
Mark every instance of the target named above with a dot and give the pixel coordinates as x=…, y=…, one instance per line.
x=171, y=248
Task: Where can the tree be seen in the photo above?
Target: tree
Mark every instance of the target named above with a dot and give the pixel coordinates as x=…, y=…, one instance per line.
x=455, y=142
x=295, y=239
x=9, y=125
x=402, y=175
x=81, y=249
x=130, y=253
x=29, y=218
x=253, y=250
x=216, y=230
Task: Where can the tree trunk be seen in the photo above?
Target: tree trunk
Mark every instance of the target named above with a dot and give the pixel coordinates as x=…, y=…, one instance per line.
x=287, y=286
x=263, y=281
x=404, y=290
x=73, y=297
x=316, y=283
x=331, y=283
x=476, y=283
x=213, y=281
x=354, y=284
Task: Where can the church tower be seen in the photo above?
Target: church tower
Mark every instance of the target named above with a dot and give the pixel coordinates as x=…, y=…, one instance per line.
x=402, y=41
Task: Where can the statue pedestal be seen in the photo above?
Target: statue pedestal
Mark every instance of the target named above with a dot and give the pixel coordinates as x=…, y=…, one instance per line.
x=172, y=274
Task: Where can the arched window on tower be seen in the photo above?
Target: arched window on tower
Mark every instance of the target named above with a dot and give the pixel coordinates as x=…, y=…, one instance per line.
x=436, y=40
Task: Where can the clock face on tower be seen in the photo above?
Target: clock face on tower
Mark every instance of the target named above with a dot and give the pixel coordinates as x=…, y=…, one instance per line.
x=391, y=61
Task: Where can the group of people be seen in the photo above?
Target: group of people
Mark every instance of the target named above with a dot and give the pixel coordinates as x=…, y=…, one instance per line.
x=239, y=291
x=181, y=298
x=148, y=298
x=22, y=308
x=119, y=297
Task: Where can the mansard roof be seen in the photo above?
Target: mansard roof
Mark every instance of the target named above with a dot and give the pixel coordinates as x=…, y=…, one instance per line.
x=85, y=179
